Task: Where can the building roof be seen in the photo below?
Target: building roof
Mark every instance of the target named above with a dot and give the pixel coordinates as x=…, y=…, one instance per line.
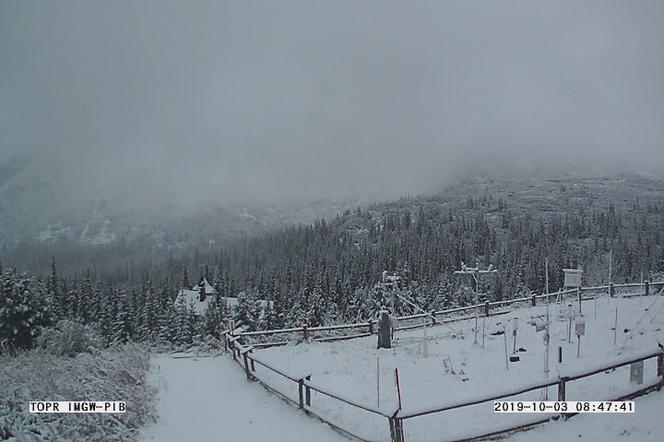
x=192, y=300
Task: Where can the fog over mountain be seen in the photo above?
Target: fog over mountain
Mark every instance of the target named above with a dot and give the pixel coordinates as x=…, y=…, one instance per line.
x=238, y=102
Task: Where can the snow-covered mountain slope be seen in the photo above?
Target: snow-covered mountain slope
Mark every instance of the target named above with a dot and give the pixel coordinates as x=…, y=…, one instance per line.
x=46, y=211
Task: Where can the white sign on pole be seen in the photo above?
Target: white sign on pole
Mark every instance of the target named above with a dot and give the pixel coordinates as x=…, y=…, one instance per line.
x=580, y=326
x=573, y=277
x=636, y=373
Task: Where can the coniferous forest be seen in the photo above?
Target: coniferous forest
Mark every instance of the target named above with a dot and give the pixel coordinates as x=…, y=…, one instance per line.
x=325, y=273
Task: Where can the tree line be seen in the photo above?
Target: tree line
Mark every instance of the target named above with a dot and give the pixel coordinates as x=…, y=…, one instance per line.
x=327, y=272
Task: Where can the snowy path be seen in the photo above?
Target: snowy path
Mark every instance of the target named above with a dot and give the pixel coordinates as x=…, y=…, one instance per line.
x=210, y=400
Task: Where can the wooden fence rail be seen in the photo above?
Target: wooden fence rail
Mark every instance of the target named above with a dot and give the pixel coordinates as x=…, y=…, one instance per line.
x=409, y=322
x=406, y=322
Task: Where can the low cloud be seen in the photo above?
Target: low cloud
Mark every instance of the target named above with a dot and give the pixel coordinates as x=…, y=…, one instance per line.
x=264, y=101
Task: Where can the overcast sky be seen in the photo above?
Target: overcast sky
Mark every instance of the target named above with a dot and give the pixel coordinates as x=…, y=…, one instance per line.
x=298, y=99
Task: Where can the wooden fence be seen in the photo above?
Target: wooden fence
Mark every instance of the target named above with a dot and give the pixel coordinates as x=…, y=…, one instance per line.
x=266, y=338
x=303, y=385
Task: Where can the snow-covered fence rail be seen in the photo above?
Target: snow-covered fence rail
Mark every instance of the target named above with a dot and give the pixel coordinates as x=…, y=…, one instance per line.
x=267, y=338
x=561, y=382
x=493, y=308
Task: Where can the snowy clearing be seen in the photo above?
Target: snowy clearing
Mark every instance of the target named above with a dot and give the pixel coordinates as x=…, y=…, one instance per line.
x=349, y=368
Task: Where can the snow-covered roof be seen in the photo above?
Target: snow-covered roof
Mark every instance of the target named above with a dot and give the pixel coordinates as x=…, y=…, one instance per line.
x=192, y=299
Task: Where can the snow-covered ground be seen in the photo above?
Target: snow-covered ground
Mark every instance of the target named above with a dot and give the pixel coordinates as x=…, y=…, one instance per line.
x=349, y=368
x=645, y=425
x=210, y=399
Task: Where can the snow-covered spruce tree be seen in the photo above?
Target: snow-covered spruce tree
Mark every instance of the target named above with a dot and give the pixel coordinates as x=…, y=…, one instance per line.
x=379, y=299
x=360, y=306
x=219, y=285
x=213, y=321
x=297, y=314
x=316, y=307
x=85, y=298
x=184, y=323
x=24, y=308
x=71, y=297
x=123, y=322
x=185, y=279
x=248, y=311
x=269, y=318
x=331, y=315
x=105, y=319
x=54, y=292
x=149, y=313
x=198, y=327
x=278, y=309
x=168, y=325
x=464, y=295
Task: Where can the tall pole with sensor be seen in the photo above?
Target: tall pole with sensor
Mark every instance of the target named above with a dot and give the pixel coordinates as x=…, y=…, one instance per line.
x=476, y=273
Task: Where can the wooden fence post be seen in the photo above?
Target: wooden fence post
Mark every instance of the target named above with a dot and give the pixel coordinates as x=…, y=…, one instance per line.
x=308, y=392
x=561, y=389
x=433, y=317
x=647, y=288
x=306, y=333
x=660, y=368
x=561, y=392
x=246, y=365
x=385, y=331
x=396, y=429
x=253, y=364
x=370, y=327
x=486, y=308
x=300, y=387
x=612, y=290
x=399, y=425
